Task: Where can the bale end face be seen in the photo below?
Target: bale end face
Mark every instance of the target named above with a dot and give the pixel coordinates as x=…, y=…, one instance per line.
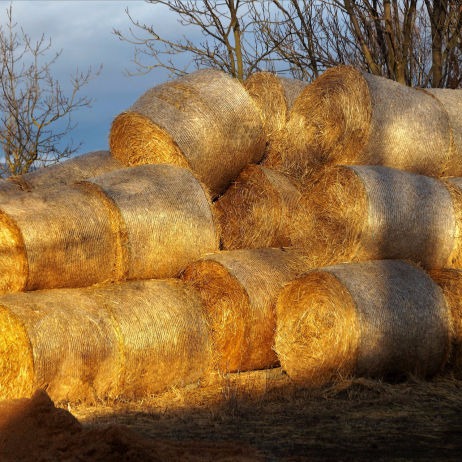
x=16, y=360
x=318, y=331
x=136, y=140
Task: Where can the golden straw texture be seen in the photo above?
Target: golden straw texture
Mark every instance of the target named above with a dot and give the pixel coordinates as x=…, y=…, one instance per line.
x=239, y=290
x=350, y=117
x=364, y=212
x=205, y=120
x=127, y=340
x=450, y=280
x=378, y=318
x=452, y=103
x=166, y=215
x=256, y=210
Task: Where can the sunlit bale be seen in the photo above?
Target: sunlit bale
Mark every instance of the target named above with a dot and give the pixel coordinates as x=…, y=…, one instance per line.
x=383, y=319
x=239, y=290
x=360, y=213
x=257, y=209
x=350, y=117
x=127, y=340
x=142, y=222
x=205, y=121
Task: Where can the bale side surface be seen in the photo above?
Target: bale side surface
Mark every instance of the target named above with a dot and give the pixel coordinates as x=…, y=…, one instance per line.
x=69, y=237
x=239, y=289
x=59, y=340
x=329, y=123
x=450, y=280
x=318, y=331
x=162, y=332
x=403, y=316
x=167, y=218
x=76, y=169
x=257, y=209
x=206, y=117
x=292, y=90
x=410, y=130
x=452, y=103
x=455, y=190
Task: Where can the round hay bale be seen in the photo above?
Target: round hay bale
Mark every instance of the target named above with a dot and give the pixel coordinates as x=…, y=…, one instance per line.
x=450, y=280
x=452, y=103
x=292, y=90
x=59, y=340
x=205, y=120
x=239, y=289
x=379, y=318
x=57, y=238
x=127, y=340
x=370, y=213
x=257, y=209
x=167, y=221
x=350, y=117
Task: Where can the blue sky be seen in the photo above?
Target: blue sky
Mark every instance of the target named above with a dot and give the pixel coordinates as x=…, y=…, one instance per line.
x=83, y=30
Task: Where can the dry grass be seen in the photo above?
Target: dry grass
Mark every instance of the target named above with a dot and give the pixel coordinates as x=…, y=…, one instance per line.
x=205, y=120
x=377, y=319
x=239, y=289
x=257, y=209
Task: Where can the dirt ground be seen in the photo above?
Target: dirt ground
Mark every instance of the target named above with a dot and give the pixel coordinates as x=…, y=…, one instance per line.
x=257, y=416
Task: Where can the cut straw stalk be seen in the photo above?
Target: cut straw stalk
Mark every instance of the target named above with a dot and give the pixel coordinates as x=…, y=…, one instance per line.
x=257, y=209
x=205, y=121
x=141, y=222
x=350, y=117
x=126, y=340
x=450, y=280
x=362, y=213
x=239, y=290
x=378, y=318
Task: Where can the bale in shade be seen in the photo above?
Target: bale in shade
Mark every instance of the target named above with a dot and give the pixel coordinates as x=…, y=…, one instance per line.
x=256, y=210
x=379, y=319
x=126, y=340
x=452, y=103
x=450, y=280
x=239, y=289
x=205, y=120
x=360, y=213
x=350, y=117
x=166, y=216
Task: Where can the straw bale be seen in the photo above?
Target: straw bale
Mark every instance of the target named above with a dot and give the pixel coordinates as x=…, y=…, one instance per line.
x=167, y=218
x=372, y=212
x=292, y=89
x=205, y=120
x=256, y=210
x=57, y=238
x=450, y=280
x=452, y=103
x=379, y=318
x=126, y=340
x=350, y=117
x=239, y=290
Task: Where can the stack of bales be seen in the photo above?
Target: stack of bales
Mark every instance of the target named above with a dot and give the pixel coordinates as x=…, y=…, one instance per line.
x=239, y=227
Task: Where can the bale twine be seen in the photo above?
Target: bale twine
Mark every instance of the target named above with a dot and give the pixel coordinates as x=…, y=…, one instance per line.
x=350, y=117
x=57, y=238
x=450, y=280
x=166, y=216
x=257, y=209
x=452, y=103
x=378, y=318
x=366, y=212
x=205, y=121
x=239, y=289
x=126, y=340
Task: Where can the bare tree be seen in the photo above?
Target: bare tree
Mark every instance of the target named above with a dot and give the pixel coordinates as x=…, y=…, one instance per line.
x=35, y=112
x=228, y=43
